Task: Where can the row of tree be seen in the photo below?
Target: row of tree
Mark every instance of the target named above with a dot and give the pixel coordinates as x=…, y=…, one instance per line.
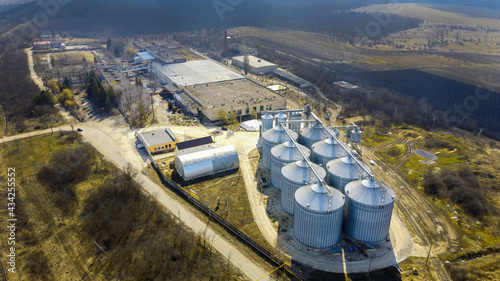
x=103, y=97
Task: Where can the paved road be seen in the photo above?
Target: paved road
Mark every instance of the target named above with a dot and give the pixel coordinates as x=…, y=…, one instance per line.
x=107, y=146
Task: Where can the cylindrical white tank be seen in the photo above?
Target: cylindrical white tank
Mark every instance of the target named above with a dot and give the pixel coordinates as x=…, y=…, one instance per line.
x=283, y=154
x=267, y=122
x=271, y=138
x=206, y=162
x=311, y=134
x=326, y=150
x=368, y=210
x=296, y=175
x=341, y=171
x=317, y=221
x=279, y=118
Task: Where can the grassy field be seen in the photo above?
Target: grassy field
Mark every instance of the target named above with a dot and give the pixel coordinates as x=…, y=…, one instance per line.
x=63, y=61
x=228, y=185
x=54, y=243
x=480, y=237
x=447, y=14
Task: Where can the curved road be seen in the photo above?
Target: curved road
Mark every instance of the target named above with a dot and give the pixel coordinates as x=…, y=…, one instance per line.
x=106, y=145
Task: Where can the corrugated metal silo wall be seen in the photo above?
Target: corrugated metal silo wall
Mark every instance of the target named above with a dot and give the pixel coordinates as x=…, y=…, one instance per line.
x=320, y=159
x=367, y=223
x=266, y=153
x=288, y=189
x=317, y=230
x=337, y=182
x=276, y=165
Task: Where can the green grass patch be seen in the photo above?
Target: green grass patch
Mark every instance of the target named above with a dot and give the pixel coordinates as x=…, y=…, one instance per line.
x=373, y=137
x=391, y=154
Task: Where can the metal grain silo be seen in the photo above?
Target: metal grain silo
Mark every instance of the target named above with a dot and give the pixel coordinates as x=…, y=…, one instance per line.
x=270, y=138
x=355, y=135
x=279, y=118
x=368, y=211
x=326, y=150
x=206, y=162
x=267, y=122
x=311, y=134
x=283, y=154
x=317, y=221
x=340, y=172
x=296, y=175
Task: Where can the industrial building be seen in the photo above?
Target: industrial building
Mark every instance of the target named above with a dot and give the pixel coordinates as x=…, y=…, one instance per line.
x=194, y=72
x=207, y=162
x=292, y=78
x=240, y=96
x=256, y=66
x=195, y=145
x=158, y=140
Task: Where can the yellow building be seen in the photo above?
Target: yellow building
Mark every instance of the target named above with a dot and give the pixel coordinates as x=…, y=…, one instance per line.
x=158, y=140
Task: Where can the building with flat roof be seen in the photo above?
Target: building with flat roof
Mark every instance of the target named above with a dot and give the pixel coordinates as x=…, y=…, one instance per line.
x=256, y=65
x=240, y=96
x=292, y=78
x=158, y=140
x=194, y=73
x=195, y=145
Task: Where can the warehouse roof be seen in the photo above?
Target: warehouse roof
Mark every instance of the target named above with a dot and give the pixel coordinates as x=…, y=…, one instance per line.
x=194, y=143
x=159, y=136
x=254, y=61
x=146, y=55
x=236, y=92
x=198, y=72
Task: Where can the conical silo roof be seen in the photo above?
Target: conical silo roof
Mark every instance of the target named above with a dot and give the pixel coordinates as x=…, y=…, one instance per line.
x=315, y=198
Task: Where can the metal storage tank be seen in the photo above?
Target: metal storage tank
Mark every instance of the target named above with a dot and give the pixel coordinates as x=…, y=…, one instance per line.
x=280, y=117
x=207, y=162
x=368, y=210
x=295, y=126
x=296, y=175
x=311, y=134
x=270, y=138
x=355, y=135
x=317, y=222
x=283, y=154
x=267, y=122
x=326, y=150
x=340, y=172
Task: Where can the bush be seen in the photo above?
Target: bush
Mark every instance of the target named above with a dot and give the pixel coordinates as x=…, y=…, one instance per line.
x=433, y=184
x=462, y=188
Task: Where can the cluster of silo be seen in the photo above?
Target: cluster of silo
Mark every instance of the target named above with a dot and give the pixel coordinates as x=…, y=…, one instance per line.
x=341, y=171
x=325, y=150
x=273, y=137
x=368, y=211
x=318, y=216
x=282, y=154
x=312, y=133
x=336, y=196
x=296, y=175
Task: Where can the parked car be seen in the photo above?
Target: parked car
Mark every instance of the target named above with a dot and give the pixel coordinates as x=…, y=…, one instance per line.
x=79, y=129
